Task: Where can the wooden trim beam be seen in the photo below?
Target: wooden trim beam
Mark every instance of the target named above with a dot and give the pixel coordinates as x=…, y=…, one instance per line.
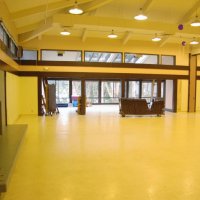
x=107, y=65
x=87, y=75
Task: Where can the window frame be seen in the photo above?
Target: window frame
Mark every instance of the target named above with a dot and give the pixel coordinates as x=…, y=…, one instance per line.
x=41, y=59
x=85, y=51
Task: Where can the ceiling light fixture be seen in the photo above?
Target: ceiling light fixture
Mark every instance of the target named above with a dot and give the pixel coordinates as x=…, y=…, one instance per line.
x=112, y=35
x=156, y=38
x=194, y=42
x=65, y=32
x=141, y=16
x=75, y=10
x=196, y=22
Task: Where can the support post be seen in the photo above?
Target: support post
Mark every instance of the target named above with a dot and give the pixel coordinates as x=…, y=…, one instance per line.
x=82, y=108
x=192, y=83
x=159, y=88
x=122, y=88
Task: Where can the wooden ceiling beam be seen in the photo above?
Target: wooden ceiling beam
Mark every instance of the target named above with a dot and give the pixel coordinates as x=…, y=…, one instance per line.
x=147, y=5
x=164, y=41
x=84, y=35
x=93, y=22
x=93, y=5
x=127, y=37
x=25, y=37
x=41, y=9
x=191, y=11
x=30, y=27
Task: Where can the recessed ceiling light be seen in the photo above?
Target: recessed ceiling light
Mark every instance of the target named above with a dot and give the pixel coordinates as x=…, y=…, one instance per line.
x=76, y=10
x=65, y=32
x=196, y=22
x=141, y=16
x=156, y=39
x=194, y=42
x=112, y=35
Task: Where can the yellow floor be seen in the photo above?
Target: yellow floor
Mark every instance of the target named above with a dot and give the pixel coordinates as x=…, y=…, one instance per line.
x=102, y=156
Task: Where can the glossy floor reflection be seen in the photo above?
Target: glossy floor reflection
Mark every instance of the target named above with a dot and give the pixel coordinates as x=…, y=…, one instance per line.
x=102, y=156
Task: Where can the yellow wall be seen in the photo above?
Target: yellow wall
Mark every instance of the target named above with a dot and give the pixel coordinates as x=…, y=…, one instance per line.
x=13, y=97
x=182, y=96
x=21, y=96
x=28, y=95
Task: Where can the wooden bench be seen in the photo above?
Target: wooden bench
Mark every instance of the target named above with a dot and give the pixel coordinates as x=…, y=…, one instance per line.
x=10, y=141
x=130, y=106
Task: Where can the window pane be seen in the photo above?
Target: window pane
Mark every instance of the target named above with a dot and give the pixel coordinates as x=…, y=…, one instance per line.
x=147, y=90
x=76, y=88
x=154, y=84
x=168, y=60
x=92, y=91
x=61, y=55
x=162, y=89
x=1, y=33
x=52, y=82
x=62, y=91
x=134, y=89
x=5, y=38
x=117, y=90
x=103, y=57
x=141, y=58
x=29, y=55
x=110, y=91
x=12, y=47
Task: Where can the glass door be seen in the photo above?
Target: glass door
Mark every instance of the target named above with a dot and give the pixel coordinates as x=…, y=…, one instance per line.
x=62, y=91
x=92, y=92
x=110, y=92
x=134, y=89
